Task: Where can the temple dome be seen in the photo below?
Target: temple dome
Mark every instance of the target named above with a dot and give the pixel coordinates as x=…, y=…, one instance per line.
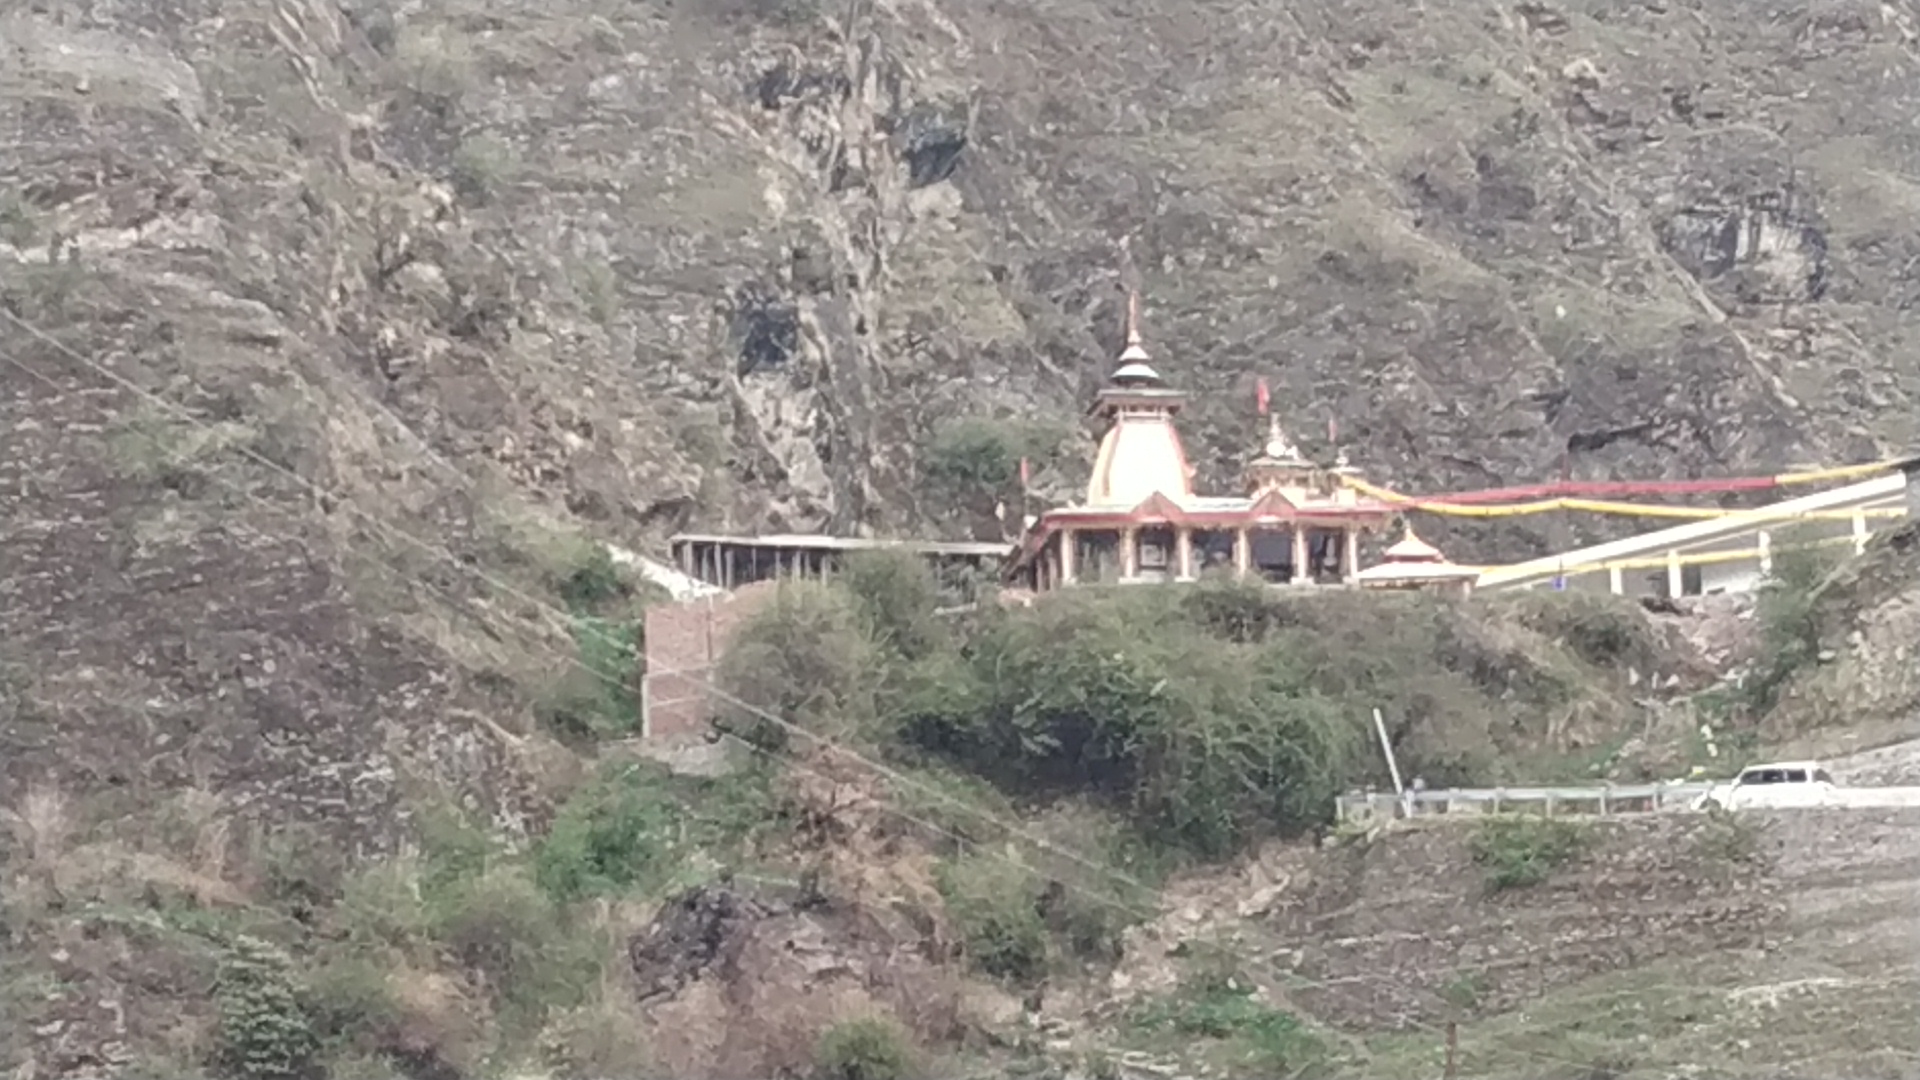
x=1140, y=454
x=1411, y=548
x=1413, y=563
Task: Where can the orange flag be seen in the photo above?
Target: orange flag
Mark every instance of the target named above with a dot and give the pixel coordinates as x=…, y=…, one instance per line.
x=1260, y=395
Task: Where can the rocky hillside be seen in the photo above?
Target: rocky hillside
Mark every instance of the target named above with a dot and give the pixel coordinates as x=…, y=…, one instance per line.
x=1860, y=643
x=734, y=262
x=1761, y=947
x=331, y=333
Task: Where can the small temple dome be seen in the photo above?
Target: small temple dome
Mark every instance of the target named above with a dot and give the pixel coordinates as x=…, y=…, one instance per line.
x=1136, y=371
x=1412, y=563
x=1411, y=548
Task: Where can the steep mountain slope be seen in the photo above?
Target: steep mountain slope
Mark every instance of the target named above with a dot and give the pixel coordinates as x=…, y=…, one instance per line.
x=731, y=261
x=327, y=329
x=1858, y=687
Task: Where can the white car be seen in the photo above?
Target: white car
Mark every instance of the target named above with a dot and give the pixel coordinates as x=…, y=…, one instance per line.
x=1777, y=784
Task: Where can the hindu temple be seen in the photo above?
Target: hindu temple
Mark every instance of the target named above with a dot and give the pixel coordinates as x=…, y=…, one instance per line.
x=1294, y=522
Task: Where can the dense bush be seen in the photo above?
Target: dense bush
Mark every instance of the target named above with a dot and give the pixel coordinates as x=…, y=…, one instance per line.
x=866, y=1049
x=1204, y=739
x=265, y=1029
x=976, y=458
x=807, y=659
x=636, y=826
x=1208, y=715
x=1024, y=914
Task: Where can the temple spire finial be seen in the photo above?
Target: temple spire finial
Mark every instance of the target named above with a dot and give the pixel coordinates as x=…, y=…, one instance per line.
x=1278, y=448
x=1136, y=350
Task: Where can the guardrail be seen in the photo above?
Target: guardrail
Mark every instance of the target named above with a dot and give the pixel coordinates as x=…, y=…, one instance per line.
x=1603, y=799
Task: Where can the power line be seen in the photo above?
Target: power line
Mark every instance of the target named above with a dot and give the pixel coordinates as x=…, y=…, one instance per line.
x=894, y=776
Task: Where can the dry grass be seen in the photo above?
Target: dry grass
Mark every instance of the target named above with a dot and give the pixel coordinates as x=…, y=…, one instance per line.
x=60, y=859
x=1664, y=1018
x=39, y=830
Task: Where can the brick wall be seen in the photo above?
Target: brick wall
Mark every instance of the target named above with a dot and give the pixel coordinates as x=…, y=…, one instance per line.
x=684, y=642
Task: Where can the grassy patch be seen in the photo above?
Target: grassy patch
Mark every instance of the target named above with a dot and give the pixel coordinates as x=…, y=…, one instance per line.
x=1727, y=841
x=1746, y=1016
x=1248, y=1034
x=156, y=448
x=637, y=828
x=869, y=1048
x=1522, y=850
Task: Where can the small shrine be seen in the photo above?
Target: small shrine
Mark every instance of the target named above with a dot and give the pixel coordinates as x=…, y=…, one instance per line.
x=1141, y=520
x=1412, y=563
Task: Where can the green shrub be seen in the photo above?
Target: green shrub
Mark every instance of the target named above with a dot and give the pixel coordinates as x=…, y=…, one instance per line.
x=1205, y=743
x=994, y=905
x=303, y=869
x=588, y=581
x=896, y=593
x=636, y=826
x=1226, y=1008
x=871, y=1048
x=1519, y=850
x=806, y=658
x=1727, y=839
x=604, y=839
x=264, y=1030
x=530, y=956
x=347, y=996
x=1788, y=613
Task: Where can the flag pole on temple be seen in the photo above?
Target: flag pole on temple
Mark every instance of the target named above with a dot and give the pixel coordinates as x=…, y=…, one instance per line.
x=1026, y=483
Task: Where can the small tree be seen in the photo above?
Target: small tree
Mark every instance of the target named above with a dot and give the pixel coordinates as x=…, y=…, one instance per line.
x=265, y=1033
x=807, y=659
x=895, y=593
x=974, y=463
x=871, y=1048
x=1787, y=610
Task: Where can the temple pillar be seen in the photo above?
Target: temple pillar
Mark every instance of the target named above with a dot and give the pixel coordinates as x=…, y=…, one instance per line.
x=1242, y=553
x=1676, y=583
x=1183, y=553
x=1067, y=576
x=1301, y=576
x=1765, y=540
x=1129, y=553
x=1350, y=555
